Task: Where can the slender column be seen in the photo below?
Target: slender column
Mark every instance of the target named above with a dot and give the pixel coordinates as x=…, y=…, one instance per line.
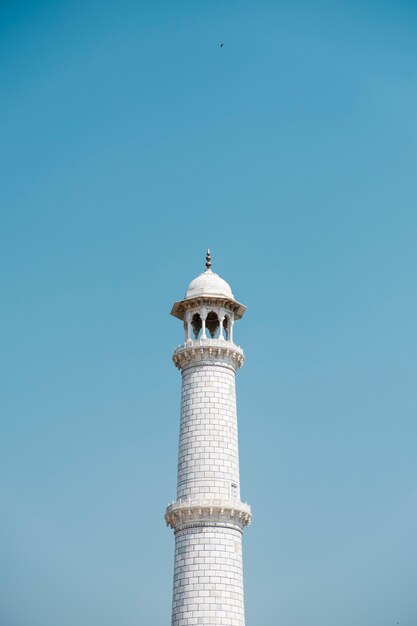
x=221, y=320
x=203, y=315
x=188, y=322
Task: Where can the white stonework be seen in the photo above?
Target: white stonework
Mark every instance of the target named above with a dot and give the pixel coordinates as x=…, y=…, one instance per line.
x=208, y=516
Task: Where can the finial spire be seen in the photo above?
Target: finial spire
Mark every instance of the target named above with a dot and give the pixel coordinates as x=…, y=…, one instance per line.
x=208, y=259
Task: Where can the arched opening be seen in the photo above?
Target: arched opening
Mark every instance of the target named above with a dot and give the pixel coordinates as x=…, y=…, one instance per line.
x=212, y=324
x=196, y=324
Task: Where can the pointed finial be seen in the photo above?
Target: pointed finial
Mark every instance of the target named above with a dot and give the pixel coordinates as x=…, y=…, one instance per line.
x=208, y=259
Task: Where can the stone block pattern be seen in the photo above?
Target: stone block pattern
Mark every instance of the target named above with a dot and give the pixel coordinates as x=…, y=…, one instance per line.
x=208, y=581
x=208, y=462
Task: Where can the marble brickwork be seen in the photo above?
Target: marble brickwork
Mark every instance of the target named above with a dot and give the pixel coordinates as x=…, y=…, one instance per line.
x=208, y=582
x=208, y=463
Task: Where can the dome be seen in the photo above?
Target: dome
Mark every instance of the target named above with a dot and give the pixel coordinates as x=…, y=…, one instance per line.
x=208, y=284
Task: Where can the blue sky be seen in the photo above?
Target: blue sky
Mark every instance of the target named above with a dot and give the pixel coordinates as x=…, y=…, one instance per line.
x=130, y=141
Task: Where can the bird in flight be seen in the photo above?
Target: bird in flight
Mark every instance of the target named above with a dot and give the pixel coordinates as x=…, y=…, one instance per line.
x=221, y=45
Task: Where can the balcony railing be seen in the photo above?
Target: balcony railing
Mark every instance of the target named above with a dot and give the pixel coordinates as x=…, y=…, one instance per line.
x=209, y=342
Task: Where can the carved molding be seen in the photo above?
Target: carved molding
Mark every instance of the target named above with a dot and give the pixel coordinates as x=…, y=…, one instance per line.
x=193, y=513
x=210, y=350
x=192, y=527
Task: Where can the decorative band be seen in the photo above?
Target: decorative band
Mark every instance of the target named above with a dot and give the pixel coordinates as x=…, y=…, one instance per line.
x=188, y=528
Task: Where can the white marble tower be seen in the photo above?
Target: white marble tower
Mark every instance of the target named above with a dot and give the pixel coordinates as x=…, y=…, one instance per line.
x=208, y=516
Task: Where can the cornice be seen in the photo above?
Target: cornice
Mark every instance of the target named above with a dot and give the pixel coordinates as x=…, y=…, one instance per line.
x=179, y=308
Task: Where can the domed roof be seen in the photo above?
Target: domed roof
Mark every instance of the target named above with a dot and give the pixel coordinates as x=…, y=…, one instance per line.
x=208, y=284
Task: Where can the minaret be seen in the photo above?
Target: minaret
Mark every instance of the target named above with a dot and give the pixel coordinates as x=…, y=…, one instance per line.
x=208, y=516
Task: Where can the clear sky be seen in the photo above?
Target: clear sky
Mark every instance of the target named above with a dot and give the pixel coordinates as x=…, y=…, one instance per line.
x=131, y=141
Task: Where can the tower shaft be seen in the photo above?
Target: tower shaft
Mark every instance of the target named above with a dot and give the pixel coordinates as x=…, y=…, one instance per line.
x=208, y=463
